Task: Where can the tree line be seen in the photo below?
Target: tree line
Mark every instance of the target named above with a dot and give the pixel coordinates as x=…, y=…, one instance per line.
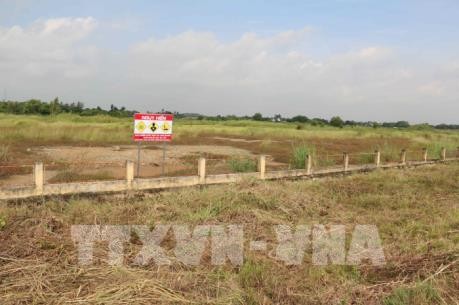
x=335, y=121
x=54, y=107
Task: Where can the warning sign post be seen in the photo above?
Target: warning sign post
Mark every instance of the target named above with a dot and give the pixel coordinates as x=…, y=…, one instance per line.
x=152, y=127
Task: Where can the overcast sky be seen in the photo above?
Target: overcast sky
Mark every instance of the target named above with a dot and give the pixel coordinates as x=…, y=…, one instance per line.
x=362, y=60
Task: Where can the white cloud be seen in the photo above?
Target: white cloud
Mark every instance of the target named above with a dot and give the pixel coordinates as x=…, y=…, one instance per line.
x=46, y=47
x=195, y=71
x=374, y=52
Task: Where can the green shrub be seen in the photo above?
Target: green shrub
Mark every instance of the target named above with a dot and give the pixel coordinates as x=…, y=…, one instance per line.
x=2, y=222
x=242, y=165
x=299, y=154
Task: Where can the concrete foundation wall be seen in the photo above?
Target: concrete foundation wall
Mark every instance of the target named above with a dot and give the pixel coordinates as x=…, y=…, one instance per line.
x=161, y=183
x=130, y=183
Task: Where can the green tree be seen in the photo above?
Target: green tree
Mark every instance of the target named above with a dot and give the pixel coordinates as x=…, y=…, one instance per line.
x=300, y=119
x=32, y=107
x=55, y=106
x=336, y=121
x=402, y=124
x=257, y=117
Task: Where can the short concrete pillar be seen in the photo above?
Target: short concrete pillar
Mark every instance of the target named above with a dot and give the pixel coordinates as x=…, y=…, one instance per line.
x=443, y=154
x=377, y=158
x=457, y=152
x=308, y=164
x=262, y=166
x=403, y=156
x=202, y=170
x=346, y=161
x=129, y=173
x=39, y=177
x=424, y=154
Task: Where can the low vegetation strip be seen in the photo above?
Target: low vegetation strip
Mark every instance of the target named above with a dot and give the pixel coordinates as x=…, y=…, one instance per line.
x=415, y=211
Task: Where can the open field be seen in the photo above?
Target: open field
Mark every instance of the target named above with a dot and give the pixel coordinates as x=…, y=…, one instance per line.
x=18, y=130
x=229, y=152
x=416, y=212
x=76, y=148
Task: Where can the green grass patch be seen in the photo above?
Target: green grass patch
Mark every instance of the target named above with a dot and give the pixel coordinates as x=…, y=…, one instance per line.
x=2, y=222
x=242, y=165
x=251, y=274
x=299, y=155
x=421, y=294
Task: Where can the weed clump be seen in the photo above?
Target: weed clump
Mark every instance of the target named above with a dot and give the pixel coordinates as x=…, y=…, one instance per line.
x=251, y=274
x=242, y=165
x=299, y=155
x=2, y=222
x=420, y=294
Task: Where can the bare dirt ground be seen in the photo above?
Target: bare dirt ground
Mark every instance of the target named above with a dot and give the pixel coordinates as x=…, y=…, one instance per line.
x=149, y=153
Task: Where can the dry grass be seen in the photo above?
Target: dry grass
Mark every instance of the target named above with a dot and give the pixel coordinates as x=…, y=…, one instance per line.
x=275, y=139
x=4, y=153
x=416, y=211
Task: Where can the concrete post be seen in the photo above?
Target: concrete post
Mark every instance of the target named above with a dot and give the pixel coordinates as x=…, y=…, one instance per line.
x=403, y=157
x=424, y=154
x=308, y=164
x=443, y=154
x=457, y=152
x=377, y=158
x=346, y=161
x=262, y=166
x=39, y=177
x=202, y=170
x=129, y=173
